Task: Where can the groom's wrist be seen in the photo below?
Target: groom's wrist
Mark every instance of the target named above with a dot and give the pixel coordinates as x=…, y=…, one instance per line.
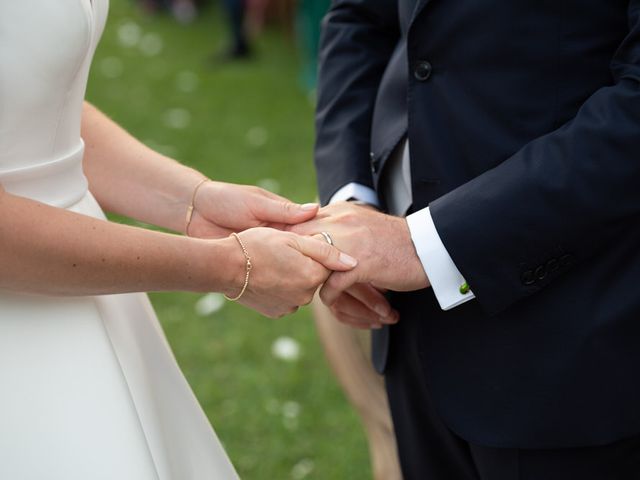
x=449, y=285
x=362, y=203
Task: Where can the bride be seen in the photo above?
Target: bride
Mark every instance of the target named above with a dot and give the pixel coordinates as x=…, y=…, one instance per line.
x=90, y=389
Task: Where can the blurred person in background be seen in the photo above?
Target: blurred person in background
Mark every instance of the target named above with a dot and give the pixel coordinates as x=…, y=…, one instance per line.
x=238, y=48
x=184, y=11
x=308, y=19
x=259, y=12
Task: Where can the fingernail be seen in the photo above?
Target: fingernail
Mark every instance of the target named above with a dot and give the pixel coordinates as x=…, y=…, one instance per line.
x=347, y=260
x=376, y=327
x=390, y=318
x=382, y=310
x=307, y=207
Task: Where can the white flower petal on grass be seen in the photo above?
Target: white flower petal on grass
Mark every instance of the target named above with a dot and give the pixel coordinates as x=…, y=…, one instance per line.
x=129, y=34
x=177, y=118
x=209, y=304
x=257, y=136
x=302, y=469
x=111, y=67
x=291, y=409
x=187, y=81
x=151, y=44
x=270, y=184
x=286, y=348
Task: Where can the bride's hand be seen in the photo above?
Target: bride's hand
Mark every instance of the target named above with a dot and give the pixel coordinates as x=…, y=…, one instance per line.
x=287, y=269
x=222, y=208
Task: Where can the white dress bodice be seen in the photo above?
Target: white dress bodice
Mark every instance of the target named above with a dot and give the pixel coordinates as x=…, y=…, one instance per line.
x=46, y=50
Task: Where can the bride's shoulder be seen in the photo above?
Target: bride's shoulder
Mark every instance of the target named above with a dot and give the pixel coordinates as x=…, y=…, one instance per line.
x=51, y=35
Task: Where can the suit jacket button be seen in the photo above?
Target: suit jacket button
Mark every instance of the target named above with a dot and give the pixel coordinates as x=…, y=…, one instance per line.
x=566, y=260
x=541, y=272
x=528, y=278
x=423, y=71
x=552, y=265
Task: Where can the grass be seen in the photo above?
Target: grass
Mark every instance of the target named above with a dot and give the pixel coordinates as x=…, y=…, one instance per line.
x=249, y=123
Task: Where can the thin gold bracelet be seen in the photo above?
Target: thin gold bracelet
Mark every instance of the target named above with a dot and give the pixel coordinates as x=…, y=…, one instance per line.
x=249, y=267
x=191, y=206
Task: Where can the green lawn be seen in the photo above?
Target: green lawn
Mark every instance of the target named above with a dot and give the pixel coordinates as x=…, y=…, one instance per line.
x=245, y=123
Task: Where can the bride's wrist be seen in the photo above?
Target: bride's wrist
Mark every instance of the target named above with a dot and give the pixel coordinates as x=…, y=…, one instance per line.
x=173, y=189
x=218, y=266
x=236, y=269
x=190, y=210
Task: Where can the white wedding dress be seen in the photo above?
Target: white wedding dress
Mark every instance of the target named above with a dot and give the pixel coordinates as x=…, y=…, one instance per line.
x=89, y=388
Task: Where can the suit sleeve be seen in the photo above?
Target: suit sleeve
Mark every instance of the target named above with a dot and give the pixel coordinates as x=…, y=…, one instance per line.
x=358, y=38
x=558, y=201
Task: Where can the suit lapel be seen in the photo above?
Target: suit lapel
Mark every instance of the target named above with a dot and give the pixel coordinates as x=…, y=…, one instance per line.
x=420, y=6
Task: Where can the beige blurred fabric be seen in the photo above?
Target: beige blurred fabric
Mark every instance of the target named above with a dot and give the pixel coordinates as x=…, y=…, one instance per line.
x=348, y=352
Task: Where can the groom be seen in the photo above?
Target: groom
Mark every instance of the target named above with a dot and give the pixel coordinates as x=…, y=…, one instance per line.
x=509, y=132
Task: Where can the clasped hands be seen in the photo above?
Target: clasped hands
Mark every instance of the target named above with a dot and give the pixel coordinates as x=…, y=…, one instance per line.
x=387, y=260
x=372, y=253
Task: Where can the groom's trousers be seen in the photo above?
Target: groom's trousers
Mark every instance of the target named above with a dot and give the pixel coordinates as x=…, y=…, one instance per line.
x=429, y=450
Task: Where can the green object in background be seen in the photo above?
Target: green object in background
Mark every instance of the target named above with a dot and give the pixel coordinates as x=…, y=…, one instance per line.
x=244, y=122
x=310, y=14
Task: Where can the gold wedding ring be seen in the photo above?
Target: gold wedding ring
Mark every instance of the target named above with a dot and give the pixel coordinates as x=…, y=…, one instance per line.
x=327, y=237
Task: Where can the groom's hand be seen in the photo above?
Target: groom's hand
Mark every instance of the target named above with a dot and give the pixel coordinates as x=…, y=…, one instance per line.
x=382, y=244
x=363, y=306
x=222, y=208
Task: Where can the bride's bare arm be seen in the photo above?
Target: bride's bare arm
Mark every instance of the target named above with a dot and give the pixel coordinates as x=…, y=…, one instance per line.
x=48, y=250
x=128, y=178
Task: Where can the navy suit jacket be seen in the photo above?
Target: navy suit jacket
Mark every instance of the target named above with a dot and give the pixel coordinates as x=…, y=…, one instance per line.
x=524, y=124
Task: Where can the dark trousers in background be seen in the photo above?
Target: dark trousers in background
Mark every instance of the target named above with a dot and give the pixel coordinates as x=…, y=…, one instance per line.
x=429, y=450
x=236, y=13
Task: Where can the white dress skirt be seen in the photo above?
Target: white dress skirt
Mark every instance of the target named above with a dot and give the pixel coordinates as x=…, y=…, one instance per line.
x=89, y=388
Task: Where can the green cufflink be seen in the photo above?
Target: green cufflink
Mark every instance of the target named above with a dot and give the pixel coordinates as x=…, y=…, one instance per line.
x=464, y=288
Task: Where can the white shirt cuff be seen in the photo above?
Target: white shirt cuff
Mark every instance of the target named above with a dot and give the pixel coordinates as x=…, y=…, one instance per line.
x=444, y=276
x=357, y=191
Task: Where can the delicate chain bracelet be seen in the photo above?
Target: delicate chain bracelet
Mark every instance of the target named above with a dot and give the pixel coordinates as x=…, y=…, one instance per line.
x=191, y=206
x=249, y=267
